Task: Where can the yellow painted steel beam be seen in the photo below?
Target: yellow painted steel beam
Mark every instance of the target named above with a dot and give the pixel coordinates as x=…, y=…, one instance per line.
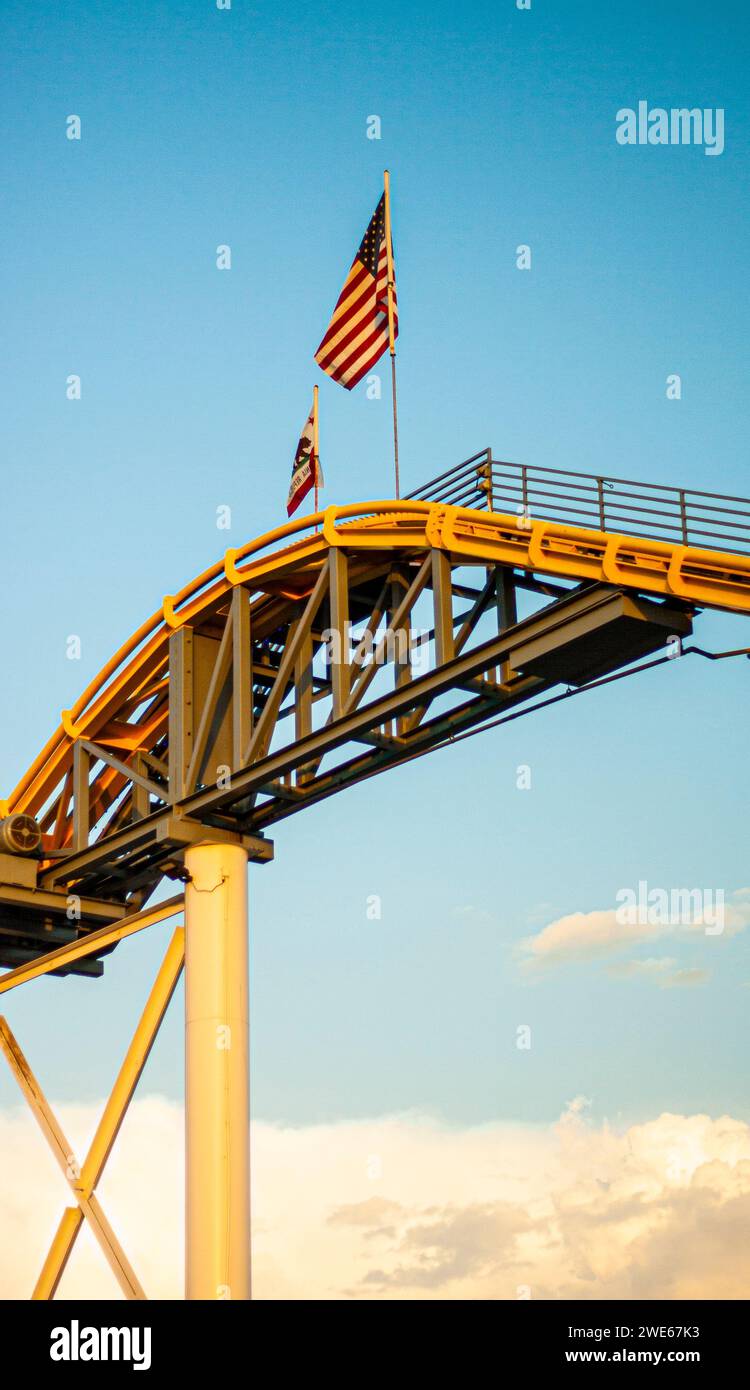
x=54, y=1265
x=89, y=1204
x=95, y=941
x=114, y=1113
x=261, y=736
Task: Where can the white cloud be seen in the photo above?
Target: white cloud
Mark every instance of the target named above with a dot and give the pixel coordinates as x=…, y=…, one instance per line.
x=573, y=1209
x=582, y=936
x=660, y=971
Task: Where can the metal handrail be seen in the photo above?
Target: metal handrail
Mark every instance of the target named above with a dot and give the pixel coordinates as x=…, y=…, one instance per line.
x=601, y=501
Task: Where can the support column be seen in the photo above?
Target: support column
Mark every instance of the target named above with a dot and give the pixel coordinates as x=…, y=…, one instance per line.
x=340, y=668
x=507, y=612
x=217, y=1106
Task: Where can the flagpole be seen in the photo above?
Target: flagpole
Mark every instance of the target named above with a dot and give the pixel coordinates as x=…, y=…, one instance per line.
x=391, y=325
x=315, y=446
x=315, y=443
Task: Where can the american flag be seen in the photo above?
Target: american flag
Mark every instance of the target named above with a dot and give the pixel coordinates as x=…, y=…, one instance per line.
x=358, y=332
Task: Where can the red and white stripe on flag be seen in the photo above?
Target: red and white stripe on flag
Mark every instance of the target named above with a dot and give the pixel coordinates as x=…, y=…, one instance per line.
x=358, y=332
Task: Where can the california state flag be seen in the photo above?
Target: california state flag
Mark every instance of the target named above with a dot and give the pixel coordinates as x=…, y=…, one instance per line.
x=306, y=470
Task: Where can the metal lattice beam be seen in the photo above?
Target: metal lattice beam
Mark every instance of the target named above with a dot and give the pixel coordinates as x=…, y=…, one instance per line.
x=290, y=672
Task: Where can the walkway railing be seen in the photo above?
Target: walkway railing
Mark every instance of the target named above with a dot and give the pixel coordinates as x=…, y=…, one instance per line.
x=713, y=520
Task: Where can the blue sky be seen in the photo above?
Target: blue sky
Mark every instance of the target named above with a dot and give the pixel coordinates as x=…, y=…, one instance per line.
x=203, y=127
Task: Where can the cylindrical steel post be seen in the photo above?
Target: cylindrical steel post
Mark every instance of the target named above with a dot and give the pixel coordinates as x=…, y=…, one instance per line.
x=217, y=1106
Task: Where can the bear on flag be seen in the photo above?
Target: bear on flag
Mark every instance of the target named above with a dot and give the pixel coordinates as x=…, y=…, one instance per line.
x=306, y=471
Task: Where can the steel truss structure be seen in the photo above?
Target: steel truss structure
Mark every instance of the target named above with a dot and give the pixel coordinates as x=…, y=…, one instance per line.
x=308, y=660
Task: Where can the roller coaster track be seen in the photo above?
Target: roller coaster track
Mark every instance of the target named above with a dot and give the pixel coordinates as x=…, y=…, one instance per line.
x=289, y=671
x=308, y=660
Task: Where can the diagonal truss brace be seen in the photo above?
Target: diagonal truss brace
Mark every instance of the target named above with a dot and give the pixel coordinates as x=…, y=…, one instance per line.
x=91, y=944
x=88, y=1202
x=83, y=1181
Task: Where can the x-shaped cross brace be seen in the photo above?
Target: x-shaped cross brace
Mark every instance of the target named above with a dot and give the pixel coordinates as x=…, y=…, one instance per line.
x=83, y=1181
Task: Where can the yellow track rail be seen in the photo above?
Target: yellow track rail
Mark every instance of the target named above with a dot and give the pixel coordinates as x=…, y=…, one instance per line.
x=290, y=554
